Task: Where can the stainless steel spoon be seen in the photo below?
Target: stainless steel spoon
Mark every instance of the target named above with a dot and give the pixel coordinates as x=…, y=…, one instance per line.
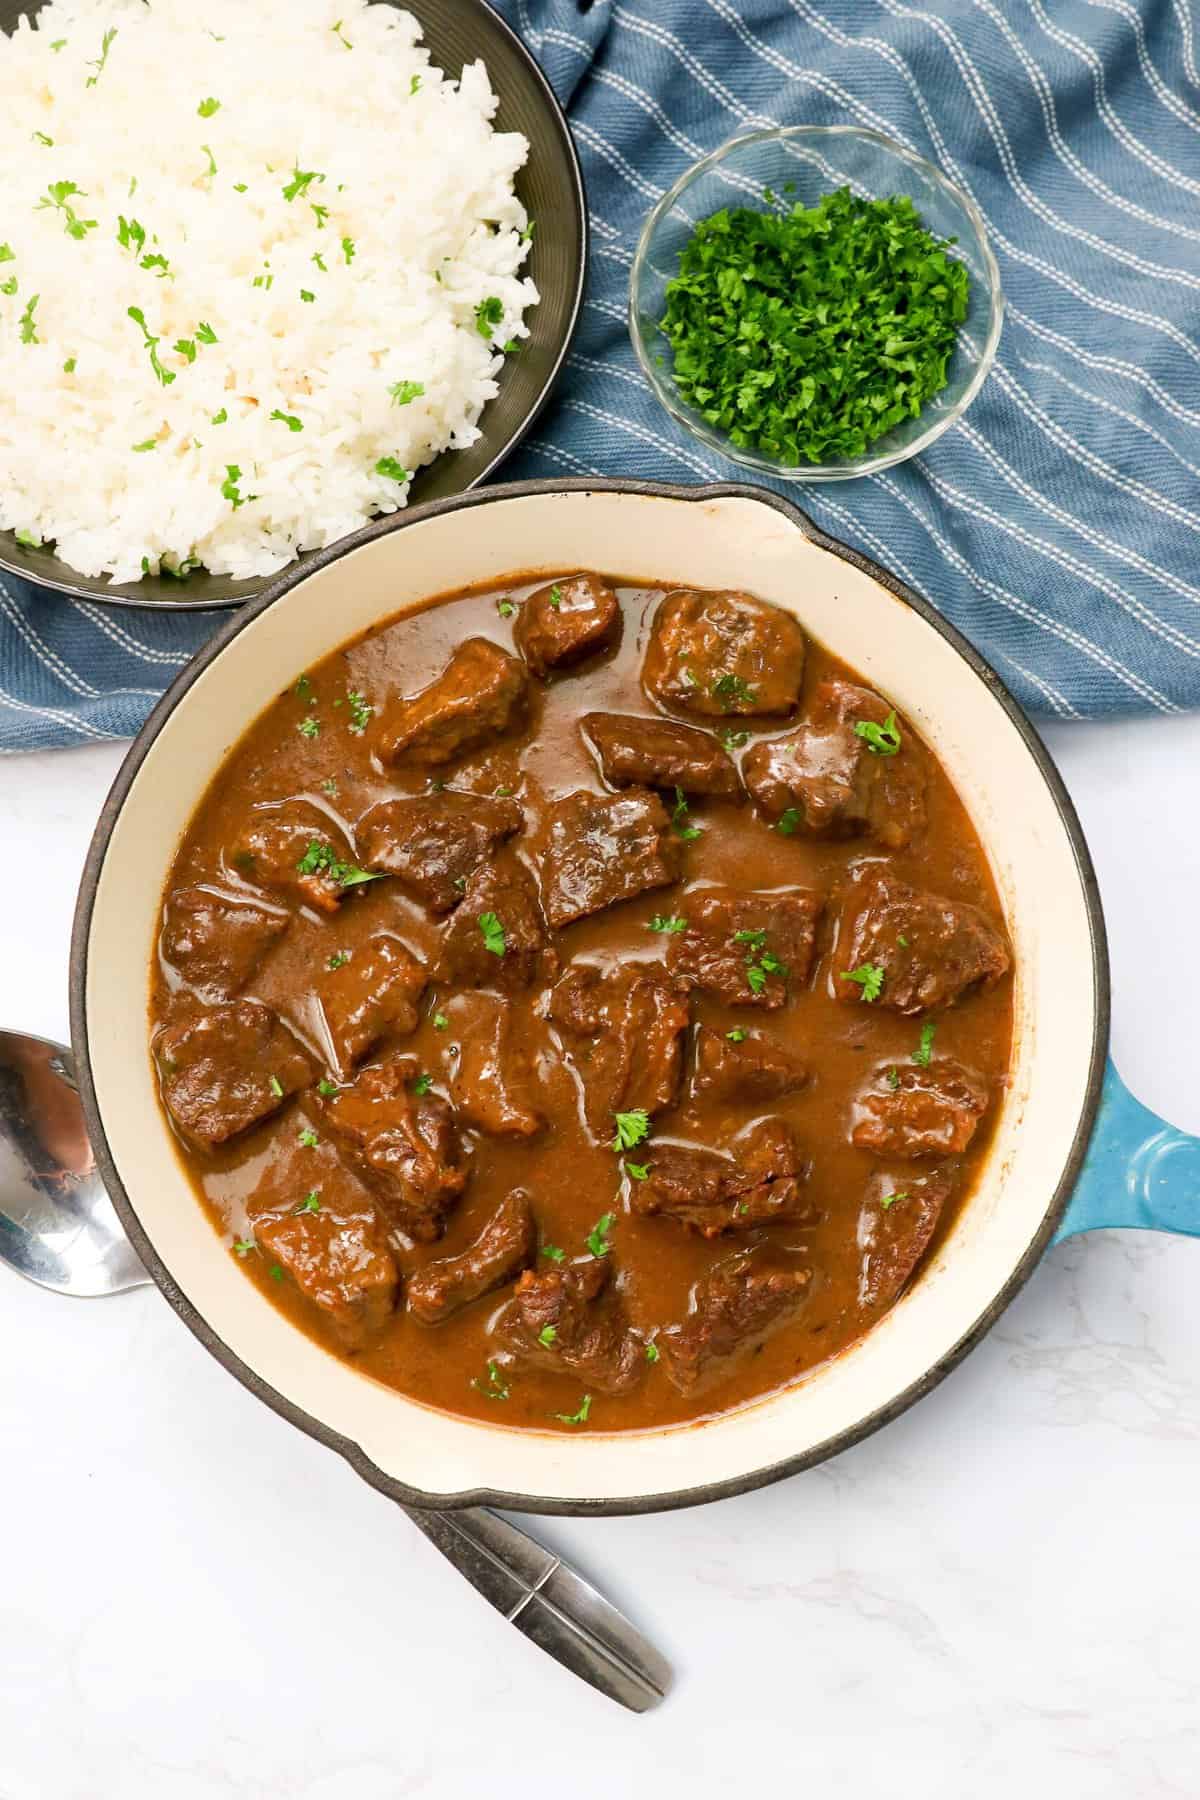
x=58, y=1228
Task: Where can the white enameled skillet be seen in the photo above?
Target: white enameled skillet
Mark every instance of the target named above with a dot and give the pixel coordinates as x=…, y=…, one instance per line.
x=711, y=538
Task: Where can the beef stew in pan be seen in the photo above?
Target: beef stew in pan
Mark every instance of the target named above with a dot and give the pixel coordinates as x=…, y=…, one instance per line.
x=581, y=1004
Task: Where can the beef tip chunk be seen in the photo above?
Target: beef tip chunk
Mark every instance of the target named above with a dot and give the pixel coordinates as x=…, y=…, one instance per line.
x=743, y=1066
x=737, y=1307
x=339, y=1259
x=479, y=695
x=226, y=1069
x=497, y=938
x=920, y=1112
x=591, y=1338
x=506, y=1245
x=724, y=654
x=404, y=1145
x=566, y=621
x=215, y=942
x=433, y=843
x=603, y=848
x=295, y=849
x=931, y=951
x=492, y=1086
x=897, y=1221
x=760, y=1181
x=371, y=995
x=626, y=1031
x=838, y=782
x=660, y=753
x=746, y=949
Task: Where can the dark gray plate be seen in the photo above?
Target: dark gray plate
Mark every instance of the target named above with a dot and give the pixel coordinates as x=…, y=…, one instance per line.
x=551, y=188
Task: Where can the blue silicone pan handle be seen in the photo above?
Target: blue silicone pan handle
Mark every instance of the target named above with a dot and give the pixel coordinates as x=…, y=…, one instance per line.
x=1138, y=1171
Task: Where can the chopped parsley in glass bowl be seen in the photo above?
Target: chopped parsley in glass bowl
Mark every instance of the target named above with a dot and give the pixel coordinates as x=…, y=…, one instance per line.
x=814, y=301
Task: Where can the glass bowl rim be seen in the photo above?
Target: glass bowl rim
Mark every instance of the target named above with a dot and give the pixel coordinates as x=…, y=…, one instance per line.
x=867, y=464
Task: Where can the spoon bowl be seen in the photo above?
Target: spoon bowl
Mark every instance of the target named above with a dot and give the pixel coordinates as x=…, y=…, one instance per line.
x=57, y=1224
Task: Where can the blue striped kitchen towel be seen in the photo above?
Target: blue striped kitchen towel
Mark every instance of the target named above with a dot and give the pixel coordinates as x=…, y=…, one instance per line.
x=1057, y=524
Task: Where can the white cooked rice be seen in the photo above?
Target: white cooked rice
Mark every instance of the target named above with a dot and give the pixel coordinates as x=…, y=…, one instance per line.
x=422, y=226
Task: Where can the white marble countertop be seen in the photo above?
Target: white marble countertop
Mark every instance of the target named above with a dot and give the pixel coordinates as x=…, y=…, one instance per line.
x=997, y=1594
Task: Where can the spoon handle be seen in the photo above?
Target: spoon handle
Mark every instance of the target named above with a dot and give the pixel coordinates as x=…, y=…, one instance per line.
x=551, y=1603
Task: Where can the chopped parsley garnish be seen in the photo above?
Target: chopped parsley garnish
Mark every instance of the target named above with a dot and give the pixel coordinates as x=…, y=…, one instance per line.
x=547, y=1335
x=637, y=1171
x=902, y=941
x=893, y=1079
x=219, y=418
x=737, y=1035
x=756, y=939
x=553, y=1252
x=403, y=392
x=632, y=1128
x=414, y=86
x=597, y=1239
x=185, y=347
x=9, y=286
x=302, y=180
x=556, y=596
x=311, y=1202
x=156, y=261
x=130, y=235
x=307, y=1139
x=323, y=859
x=494, y=1388
x=320, y=261
x=320, y=214
x=360, y=712
x=881, y=740
x=421, y=1084
x=338, y=960
x=732, y=691
x=59, y=44
x=150, y=444
x=207, y=108
x=276, y=1086
x=505, y=608
x=869, y=977
x=105, y=46
x=212, y=163
x=348, y=249
x=886, y=1200
x=528, y=231
x=205, y=333
x=7, y=253
x=229, y=487
x=330, y=787
x=394, y=471
x=276, y=1272
x=288, y=419
x=164, y=377
x=243, y=1246
x=807, y=333
x=43, y=139
x=340, y=35
x=679, y=819
x=58, y=198
x=304, y=688
x=735, y=740
x=787, y=821
x=659, y=923
x=489, y=312
x=27, y=538
x=577, y=1418
x=28, y=328
x=493, y=933
x=924, y=1050
x=326, y=1089
x=440, y=1021
x=652, y=1353
x=760, y=962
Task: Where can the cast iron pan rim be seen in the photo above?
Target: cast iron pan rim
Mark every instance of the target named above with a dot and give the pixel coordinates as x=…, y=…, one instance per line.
x=642, y=1503
x=314, y=559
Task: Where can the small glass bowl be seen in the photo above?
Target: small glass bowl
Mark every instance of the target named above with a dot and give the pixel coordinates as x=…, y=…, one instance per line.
x=813, y=160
